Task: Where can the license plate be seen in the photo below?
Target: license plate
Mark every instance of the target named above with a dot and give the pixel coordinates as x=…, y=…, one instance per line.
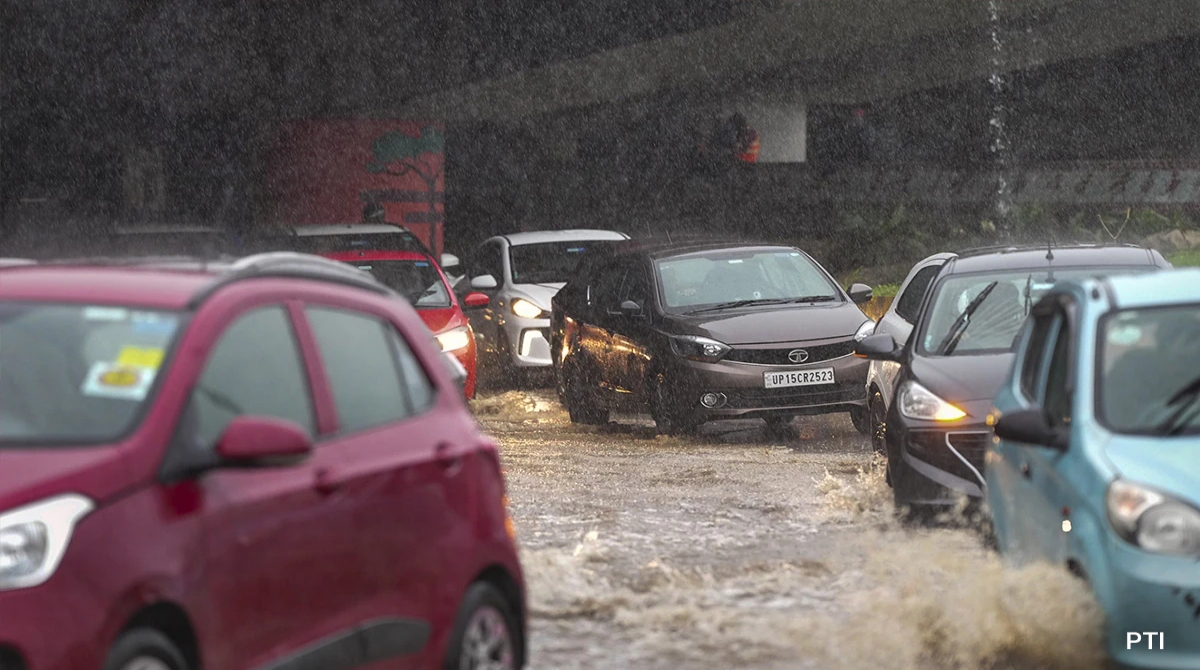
x=774, y=380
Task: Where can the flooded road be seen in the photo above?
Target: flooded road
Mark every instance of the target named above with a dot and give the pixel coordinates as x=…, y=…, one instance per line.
x=741, y=549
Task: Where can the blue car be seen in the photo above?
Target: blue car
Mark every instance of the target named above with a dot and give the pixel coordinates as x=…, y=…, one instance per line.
x=1095, y=464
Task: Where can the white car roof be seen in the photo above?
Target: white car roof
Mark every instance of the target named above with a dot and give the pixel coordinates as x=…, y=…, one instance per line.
x=348, y=229
x=151, y=230
x=576, y=235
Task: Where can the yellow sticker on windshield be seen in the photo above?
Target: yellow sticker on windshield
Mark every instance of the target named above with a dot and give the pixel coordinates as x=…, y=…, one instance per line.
x=141, y=357
x=120, y=377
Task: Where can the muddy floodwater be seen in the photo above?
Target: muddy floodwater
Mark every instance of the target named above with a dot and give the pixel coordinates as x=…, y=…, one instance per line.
x=742, y=549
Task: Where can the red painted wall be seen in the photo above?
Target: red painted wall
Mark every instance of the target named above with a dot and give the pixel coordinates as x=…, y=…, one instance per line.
x=316, y=171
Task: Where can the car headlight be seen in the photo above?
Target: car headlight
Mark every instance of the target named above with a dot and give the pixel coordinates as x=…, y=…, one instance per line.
x=1153, y=521
x=526, y=310
x=918, y=402
x=34, y=538
x=697, y=348
x=454, y=339
x=865, y=330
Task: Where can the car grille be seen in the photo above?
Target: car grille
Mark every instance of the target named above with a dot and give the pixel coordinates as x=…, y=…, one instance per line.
x=823, y=352
x=930, y=447
x=754, y=398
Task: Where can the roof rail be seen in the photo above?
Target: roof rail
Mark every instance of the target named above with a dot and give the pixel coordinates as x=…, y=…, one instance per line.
x=293, y=265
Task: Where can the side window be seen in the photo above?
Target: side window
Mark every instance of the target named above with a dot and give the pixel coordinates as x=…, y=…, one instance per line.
x=909, y=301
x=1035, y=354
x=1057, y=398
x=488, y=261
x=255, y=369
x=636, y=287
x=361, y=364
x=416, y=382
x=606, y=286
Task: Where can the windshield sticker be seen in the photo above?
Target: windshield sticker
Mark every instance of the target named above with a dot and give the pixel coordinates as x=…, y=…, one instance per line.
x=142, y=357
x=421, y=264
x=574, y=250
x=149, y=323
x=1125, y=334
x=736, y=260
x=105, y=314
x=113, y=380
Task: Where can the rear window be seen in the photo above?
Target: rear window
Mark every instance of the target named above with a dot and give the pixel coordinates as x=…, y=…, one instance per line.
x=78, y=374
x=417, y=280
x=332, y=244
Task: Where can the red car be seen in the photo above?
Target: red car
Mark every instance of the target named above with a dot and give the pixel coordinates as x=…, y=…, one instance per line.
x=264, y=464
x=398, y=259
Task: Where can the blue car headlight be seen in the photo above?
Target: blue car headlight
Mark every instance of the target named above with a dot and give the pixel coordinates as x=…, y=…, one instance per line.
x=1153, y=521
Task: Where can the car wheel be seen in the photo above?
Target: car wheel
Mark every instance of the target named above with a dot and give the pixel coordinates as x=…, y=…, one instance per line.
x=861, y=418
x=145, y=649
x=669, y=418
x=878, y=423
x=485, y=632
x=580, y=404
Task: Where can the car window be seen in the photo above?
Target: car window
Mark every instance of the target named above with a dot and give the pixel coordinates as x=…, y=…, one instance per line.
x=1057, y=400
x=606, y=286
x=254, y=369
x=360, y=361
x=488, y=261
x=636, y=286
x=416, y=382
x=909, y=301
x=1035, y=353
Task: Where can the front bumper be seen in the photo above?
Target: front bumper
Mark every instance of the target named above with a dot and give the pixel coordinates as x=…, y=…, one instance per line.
x=1147, y=593
x=55, y=626
x=945, y=462
x=743, y=393
x=528, y=341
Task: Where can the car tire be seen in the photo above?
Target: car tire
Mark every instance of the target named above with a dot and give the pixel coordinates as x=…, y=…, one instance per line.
x=861, y=418
x=669, y=418
x=485, y=633
x=145, y=649
x=581, y=406
x=877, y=414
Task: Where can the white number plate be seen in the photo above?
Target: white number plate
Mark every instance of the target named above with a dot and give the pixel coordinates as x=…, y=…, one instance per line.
x=774, y=380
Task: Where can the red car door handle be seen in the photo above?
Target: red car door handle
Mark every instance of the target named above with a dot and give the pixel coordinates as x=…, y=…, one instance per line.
x=449, y=461
x=325, y=482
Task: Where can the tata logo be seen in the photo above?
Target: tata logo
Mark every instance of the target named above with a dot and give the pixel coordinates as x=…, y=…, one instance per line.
x=797, y=355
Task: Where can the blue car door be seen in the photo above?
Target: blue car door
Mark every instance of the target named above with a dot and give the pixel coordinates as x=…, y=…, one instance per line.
x=1010, y=472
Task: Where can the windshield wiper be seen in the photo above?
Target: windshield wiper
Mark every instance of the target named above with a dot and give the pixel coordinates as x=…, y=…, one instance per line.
x=1028, y=293
x=1186, y=399
x=960, y=324
x=762, y=301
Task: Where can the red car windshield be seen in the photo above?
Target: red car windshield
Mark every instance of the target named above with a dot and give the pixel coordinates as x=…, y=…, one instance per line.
x=77, y=374
x=412, y=275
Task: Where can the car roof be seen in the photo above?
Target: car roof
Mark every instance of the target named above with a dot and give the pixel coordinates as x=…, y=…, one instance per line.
x=573, y=235
x=1077, y=255
x=350, y=229
x=1154, y=289
x=173, y=282
x=165, y=229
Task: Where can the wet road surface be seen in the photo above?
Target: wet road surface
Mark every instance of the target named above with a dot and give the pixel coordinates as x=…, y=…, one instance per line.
x=742, y=549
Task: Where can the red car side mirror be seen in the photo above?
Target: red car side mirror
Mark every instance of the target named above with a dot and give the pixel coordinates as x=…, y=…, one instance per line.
x=255, y=440
x=476, y=299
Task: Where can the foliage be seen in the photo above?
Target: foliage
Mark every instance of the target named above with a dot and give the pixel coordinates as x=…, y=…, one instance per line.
x=1187, y=258
x=887, y=290
x=398, y=153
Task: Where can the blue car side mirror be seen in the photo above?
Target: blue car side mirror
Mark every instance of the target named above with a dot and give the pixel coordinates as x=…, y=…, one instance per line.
x=1030, y=426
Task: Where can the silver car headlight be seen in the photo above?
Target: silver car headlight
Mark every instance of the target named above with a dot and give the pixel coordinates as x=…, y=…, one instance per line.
x=34, y=538
x=526, y=309
x=1153, y=521
x=864, y=331
x=918, y=402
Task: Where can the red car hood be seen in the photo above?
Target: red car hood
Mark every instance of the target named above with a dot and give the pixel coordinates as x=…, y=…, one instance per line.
x=29, y=475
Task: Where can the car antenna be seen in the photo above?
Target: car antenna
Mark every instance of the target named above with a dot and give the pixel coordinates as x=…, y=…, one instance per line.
x=1050, y=246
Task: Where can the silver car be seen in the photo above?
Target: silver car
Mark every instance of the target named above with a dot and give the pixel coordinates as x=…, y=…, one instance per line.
x=521, y=272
